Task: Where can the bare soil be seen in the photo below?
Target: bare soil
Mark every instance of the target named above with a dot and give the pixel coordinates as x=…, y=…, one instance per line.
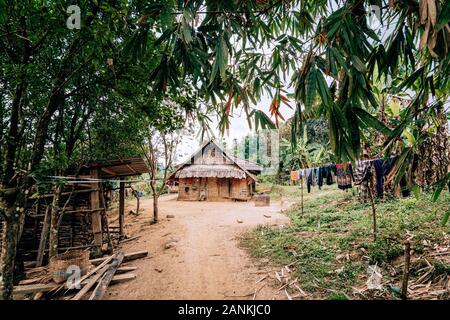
x=195, y=255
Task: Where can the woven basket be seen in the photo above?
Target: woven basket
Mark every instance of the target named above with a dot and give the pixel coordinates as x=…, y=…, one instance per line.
x=60, y=263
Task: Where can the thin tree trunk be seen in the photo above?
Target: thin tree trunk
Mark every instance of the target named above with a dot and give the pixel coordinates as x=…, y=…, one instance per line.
x=301, y=181
x=155, y=208
x=10, y=240
x=54, y=223
x=404, y=294
x=138, y=204
x=374, y=213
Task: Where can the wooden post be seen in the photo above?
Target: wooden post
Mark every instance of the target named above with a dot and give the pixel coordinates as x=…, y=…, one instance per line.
x=374, y=213
x=96, y=215
x=121, y=208
x=105, y=219
x=301, y=183
x=43, y=239
x=404, y=292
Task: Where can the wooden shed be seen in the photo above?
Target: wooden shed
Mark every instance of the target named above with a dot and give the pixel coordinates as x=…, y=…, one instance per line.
x=83, y=203
x=211, y=174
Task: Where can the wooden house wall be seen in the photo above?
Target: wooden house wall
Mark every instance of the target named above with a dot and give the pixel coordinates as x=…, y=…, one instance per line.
x=240, y=189
x=214, y=189
x=189, y=189
x=74, y=230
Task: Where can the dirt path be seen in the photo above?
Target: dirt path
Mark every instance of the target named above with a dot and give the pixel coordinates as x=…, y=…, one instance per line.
x=205, y=262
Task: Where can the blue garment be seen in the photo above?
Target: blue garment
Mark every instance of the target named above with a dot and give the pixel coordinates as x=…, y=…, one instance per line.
x=327, y=175
x=381, y=168
x=320, y=176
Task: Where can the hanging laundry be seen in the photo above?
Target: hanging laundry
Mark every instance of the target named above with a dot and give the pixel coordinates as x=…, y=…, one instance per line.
x=309, y=179
x=327, y=172
x=403, y=184
x=320, y=176
x=344, y=176
x=294, y=176
x=362, y=175
x=382, y=167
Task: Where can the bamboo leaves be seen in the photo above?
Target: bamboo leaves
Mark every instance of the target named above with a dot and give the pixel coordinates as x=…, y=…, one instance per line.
x=358, y=64
x=262, y=120
x=444, y=16
x=370, y=121
x=310, y=89
x=220, y=60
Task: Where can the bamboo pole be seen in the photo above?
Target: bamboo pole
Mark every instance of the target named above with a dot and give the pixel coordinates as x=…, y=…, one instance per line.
x=404, y=294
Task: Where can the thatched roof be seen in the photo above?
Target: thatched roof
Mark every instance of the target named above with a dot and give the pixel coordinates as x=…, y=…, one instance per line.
x=210, y=171
x=247, y=164
x=229, y=166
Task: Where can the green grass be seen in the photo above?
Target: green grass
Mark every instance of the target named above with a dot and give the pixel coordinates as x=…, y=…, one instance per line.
x=336, y=224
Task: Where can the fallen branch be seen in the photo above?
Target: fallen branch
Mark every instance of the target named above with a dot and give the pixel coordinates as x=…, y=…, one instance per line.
x=258, y=290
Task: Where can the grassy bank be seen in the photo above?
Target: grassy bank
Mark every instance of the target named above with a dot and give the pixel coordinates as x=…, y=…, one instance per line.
x=330, y=247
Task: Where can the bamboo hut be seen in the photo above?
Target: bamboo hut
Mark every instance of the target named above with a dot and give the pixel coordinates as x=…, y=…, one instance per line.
x=211, y=174
x=82, y=209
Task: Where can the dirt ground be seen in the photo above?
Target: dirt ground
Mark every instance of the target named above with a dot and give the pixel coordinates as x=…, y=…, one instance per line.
x=204, y=260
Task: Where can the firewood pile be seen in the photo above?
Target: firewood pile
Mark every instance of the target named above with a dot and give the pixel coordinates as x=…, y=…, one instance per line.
x=93, y=285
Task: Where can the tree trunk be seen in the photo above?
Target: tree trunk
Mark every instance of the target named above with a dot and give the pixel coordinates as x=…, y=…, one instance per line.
x=138, y=204
x=155, y=208
x=374, y=213
x=10, y=240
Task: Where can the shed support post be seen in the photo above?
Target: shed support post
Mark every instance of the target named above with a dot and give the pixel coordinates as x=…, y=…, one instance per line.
x=121, y=208
x=95, y=215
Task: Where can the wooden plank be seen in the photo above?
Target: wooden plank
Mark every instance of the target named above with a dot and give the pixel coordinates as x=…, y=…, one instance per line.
x=104, y=282
x=107, y=260
x=128, y=257
x=43, y=239
x=108, y=171
x=90, y=283
x=47, y=287
x=37, y=196
x=129, y=239
x=34, y=288
x=126, y=269
x=119, y=278
x=87, y=275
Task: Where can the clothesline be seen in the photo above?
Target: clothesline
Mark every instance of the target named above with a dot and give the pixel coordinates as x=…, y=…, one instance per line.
x=75, y=180
x=349, y=162
x=347, y=175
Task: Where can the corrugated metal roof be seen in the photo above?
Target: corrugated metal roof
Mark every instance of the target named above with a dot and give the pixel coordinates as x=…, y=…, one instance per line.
x=121, y=167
